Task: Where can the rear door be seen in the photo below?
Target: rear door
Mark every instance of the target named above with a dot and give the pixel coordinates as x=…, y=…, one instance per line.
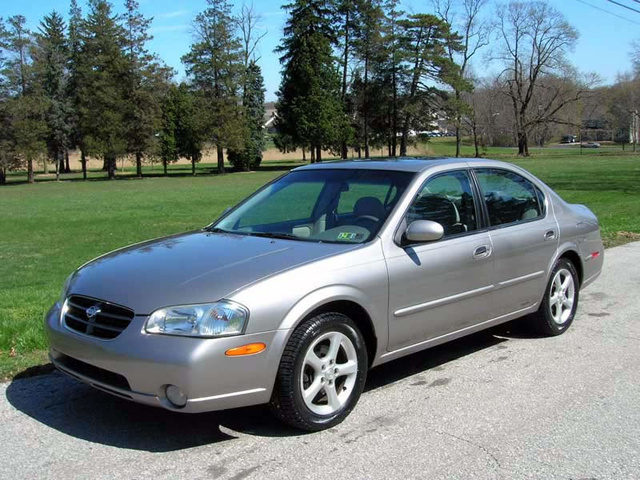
x=524, y=236
x=439, y=287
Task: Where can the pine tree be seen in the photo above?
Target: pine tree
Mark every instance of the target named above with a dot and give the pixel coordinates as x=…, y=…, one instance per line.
x=425, y=41
x=76, y=138
x=253, y=102
x=23, y=105
x=147, y=80
x=51, y=67
x=368, y=43
x=310, y=110
x=102, y=77
x=215, y=63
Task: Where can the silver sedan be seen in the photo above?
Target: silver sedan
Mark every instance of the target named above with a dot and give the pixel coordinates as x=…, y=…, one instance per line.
x=291, y=296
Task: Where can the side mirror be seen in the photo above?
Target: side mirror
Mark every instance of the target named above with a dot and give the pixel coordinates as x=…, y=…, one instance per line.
x=422, y=231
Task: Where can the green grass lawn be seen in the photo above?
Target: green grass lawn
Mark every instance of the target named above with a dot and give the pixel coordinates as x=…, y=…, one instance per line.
x=49, y=229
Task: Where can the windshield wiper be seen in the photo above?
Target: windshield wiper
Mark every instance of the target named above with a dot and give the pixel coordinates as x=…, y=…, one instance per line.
x=216, y=230
x=286, y=236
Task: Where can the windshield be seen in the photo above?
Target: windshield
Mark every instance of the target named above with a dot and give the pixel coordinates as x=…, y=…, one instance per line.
x=337, y=206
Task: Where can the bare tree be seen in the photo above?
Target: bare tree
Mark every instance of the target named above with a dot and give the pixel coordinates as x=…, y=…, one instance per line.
x=248, y=22
x=534, y=37
x=464, y=17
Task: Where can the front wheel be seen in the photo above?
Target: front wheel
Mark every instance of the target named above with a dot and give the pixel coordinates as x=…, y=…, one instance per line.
x=322, y=373
x=560, y=302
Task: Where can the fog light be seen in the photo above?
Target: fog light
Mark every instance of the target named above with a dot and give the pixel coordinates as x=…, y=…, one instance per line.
x=176, y=396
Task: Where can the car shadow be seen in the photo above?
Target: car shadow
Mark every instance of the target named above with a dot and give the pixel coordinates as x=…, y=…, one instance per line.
x=78, y=410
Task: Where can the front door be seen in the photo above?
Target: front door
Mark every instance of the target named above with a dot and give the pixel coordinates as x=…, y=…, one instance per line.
x=439, y=287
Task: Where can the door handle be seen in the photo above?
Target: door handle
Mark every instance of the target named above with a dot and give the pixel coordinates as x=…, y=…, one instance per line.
x=483, y=251
x=550, y=235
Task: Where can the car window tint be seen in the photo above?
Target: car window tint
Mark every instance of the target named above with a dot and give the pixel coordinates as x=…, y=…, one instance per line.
x=447, y=199
x=293, y=202
x=348, y=199
x=510, y=197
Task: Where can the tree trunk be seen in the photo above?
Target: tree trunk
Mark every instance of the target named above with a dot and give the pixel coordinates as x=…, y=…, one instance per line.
x=523, y=145
x=3, y=176
x=304, y=155
x=139, y=164
x=45, y=164
x=31, y=178
x=318, y=154
x=105, y=165
x=365, y=106
x=220, y=159
x=111, y=166
x=475, y=140
x=67, y=167
x=57, y=163
x=405, y=135
x=193, y=165
x=83, y=160
x=343, y=146
x=164, y=166
x=60, y=161
x=313, y=154
x=457, y=141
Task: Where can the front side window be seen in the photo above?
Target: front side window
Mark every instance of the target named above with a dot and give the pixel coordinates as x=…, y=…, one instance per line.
x=447, y=199
x=510, y=197
x=338, y=206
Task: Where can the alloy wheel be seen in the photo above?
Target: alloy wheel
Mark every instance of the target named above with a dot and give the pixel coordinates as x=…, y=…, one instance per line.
x=562, y=296
x=329, y=372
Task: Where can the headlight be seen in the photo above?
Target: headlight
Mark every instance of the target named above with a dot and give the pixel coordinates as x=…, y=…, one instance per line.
x=220, y=319
x=65, y=289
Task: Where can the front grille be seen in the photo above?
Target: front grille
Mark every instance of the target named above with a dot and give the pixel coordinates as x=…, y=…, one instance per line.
x=108, y=321
x=92, y=372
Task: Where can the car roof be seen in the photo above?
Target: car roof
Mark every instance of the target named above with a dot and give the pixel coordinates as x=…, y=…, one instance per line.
x=404, y=164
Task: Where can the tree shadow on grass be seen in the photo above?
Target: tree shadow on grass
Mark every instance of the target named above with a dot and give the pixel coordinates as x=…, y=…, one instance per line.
x=173, y=173
x=78, y=410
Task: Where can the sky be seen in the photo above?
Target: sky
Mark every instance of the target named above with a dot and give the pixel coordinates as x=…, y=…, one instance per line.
x=606, y=30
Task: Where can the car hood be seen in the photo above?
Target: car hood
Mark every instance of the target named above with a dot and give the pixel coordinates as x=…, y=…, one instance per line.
x=196, y=267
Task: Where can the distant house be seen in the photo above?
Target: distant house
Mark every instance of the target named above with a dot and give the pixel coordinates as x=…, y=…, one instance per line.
x=270, y=116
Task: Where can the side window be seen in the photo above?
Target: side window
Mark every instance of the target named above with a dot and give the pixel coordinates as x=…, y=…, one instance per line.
x=510, y=198
x=447, y=199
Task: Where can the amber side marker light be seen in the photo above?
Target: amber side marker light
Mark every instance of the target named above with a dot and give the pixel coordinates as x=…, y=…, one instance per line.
x=249, y=349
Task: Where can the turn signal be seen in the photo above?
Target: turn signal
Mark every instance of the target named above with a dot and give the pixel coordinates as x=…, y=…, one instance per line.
x=249, y=349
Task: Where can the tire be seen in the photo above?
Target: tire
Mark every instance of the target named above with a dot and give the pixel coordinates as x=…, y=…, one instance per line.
x=555, y=316
x=318, y=348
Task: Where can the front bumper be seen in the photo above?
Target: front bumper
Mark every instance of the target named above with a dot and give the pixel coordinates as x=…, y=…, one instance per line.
x=148, y=363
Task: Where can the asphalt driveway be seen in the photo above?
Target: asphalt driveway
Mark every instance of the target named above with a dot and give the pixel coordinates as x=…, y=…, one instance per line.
x=499, y=404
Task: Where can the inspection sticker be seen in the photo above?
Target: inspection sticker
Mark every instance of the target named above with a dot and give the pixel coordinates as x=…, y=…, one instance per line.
x=347, y=236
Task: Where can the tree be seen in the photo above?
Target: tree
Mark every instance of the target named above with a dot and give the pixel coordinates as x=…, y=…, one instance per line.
x=76, y=139
x=147, y=79
x=253, y=101
x=24, y=105
x=425, y=42
x=51, y=67
x=390, y=72
x=215, y=62
x=310, y=110
x=368, y=43
x=475, y=35
x=346, y=22
x=102, y=78
x=534, y=38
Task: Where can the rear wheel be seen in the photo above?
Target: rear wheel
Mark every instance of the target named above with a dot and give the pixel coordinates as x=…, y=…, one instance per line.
x=558, y=307
x=322, y=373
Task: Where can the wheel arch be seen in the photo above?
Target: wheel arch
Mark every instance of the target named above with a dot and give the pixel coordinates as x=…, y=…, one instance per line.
x=574, y=258
x=348, y=301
